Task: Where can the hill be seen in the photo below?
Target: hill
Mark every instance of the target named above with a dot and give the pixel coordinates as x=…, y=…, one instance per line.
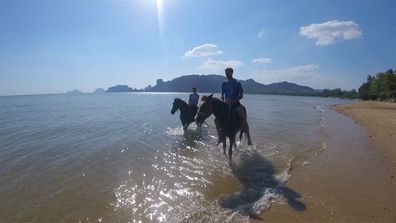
x=212, y=83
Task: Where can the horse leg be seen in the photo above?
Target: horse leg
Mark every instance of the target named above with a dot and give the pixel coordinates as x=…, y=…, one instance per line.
x=224, y=147
x=232, y=142
x=244, y=124
x=245, y=129
x=230, y=151
x=220, y=134
x=248, y=135
x=240, y=136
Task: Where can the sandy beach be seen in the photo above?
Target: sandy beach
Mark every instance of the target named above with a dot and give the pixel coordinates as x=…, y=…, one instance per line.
x=353, y=180
x=379, y=118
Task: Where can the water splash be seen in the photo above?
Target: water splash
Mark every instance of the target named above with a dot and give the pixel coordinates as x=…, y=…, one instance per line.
x=261, y=187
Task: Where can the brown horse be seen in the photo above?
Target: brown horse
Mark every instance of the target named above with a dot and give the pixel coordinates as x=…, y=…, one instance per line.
x=227, y=120
x=187, y=112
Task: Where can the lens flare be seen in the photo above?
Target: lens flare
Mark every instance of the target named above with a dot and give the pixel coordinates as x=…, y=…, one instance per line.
x=160, y=16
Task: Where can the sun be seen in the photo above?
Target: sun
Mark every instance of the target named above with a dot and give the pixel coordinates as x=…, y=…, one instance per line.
x=159, y=4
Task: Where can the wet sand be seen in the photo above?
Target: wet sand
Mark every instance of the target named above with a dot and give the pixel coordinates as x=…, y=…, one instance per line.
x=379, y=118
x=353, y=180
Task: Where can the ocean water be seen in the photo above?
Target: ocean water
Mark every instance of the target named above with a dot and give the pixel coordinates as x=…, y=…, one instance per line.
x=122, y=157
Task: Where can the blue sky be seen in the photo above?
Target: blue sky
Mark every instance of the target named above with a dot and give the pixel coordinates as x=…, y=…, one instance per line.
x=53, y=46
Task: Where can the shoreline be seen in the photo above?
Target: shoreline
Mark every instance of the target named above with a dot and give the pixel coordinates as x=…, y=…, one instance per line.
x=379, y=118
x=379, y=121
x=353, y=180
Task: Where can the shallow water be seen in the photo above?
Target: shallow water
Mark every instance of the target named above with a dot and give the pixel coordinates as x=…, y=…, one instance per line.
x=122, y=157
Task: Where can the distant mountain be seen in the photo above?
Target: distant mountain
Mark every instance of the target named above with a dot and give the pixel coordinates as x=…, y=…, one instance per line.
x=121, y=88
x=74, y=92
x=99, y=91
x=204, y=83
x=212, y=83
x=287, y=89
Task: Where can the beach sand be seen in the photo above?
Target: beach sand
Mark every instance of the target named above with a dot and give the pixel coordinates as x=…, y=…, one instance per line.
x=379, y=118
x=353, y=180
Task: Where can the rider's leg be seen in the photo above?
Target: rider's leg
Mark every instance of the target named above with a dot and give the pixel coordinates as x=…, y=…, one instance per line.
x=220, y=133
x=244, y=124
x=194, y=109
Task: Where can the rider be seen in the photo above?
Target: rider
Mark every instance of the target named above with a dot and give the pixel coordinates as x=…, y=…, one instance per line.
x=193, y=100
x=231, y=93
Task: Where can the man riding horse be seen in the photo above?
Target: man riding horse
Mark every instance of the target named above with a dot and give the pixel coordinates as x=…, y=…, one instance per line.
x=187, y=111
x=231, y=93
x=193, y=100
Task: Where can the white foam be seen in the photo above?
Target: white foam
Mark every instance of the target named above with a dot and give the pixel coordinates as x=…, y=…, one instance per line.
x=178, y=131
x=320, y=108
x=283, y=177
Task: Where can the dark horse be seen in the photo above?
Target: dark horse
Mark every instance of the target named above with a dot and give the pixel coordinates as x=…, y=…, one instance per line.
x=187, y=112
x=227, y=120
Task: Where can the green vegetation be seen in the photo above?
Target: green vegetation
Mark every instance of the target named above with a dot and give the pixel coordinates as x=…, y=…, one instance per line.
x=382, y=86
x=338, y=93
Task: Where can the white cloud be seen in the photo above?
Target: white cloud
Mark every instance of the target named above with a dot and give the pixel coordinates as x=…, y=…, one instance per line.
x=304, y=74
x=329, y=32
x=207, y=49
x=214, y=66
x=262, y=60
x=261, y=34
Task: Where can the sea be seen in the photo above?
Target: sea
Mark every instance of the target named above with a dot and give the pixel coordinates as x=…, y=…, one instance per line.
x=123, y=157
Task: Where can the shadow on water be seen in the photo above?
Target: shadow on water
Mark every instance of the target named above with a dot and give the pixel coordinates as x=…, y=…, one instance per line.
x=260, y=186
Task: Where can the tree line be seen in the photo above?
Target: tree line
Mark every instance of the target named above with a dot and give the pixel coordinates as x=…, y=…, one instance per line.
x=381, y=86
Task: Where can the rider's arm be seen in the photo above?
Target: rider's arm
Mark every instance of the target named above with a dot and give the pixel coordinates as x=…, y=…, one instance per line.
x=240, y=93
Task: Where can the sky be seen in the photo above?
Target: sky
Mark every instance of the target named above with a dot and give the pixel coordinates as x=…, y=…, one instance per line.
x=54, y=46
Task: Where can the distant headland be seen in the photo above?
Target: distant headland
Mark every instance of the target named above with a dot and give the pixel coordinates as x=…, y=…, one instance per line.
x=212, y=83
x=381, y=86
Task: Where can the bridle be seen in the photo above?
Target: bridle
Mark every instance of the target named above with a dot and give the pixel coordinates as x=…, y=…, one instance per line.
x=207, y=114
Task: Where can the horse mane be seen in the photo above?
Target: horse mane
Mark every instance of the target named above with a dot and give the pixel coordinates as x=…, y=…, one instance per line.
x=181, y=101
x=206, y=98
x=216, y=100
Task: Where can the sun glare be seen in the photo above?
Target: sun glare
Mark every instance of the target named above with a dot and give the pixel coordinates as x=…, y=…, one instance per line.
x=160, y=17
x=160, y=14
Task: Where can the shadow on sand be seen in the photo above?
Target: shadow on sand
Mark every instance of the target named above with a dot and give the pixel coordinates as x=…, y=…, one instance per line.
x=260, y=187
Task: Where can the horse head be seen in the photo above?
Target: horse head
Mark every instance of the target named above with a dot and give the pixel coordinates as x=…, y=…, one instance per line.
x=176, y=105
x=205, y=110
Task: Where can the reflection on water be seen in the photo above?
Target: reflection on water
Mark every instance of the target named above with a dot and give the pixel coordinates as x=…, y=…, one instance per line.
x=123, y=157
